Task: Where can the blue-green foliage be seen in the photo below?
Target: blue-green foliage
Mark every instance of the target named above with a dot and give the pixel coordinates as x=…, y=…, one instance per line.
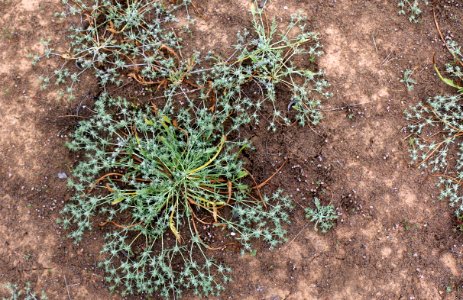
x=436, y=127
x=266, y=59
x=155, y=179
x=119, y=39
x=115, y=38
x=324, y=216
x=408, y=80
x=24, y=293
x=411, y=8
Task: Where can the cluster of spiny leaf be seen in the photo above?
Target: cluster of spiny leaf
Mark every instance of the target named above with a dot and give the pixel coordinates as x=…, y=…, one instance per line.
x=116, y=38
x=437, y=130
x=157, y=178
x=455, y=69
x=25, y=293
x=411, y=8
x=408, y=80
x=266, y=62
x=323, y=216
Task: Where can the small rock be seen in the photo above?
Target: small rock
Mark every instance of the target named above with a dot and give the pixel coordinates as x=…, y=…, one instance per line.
x=62, y=175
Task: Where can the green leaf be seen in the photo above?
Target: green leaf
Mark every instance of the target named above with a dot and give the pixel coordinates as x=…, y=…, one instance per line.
x=242, y=174
x=149, y=122
x=117, y=200
x=448, y=81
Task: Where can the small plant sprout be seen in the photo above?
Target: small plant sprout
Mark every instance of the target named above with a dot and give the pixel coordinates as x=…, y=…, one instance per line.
x=324, y=216
x=408, y=80
x=26, y=293
x=411, y=8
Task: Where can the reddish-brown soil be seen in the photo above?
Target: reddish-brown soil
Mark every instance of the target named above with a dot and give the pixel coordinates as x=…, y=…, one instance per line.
x=394, y=239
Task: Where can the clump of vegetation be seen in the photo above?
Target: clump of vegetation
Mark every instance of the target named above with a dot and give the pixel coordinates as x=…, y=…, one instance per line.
x=266, y=60
x=436, y=127
x=157, y=179
x=162, y=178
x=117, y=39
x=408, y=80
x=455, y=68
x=324, y=216
x=24, y=293
x=411, y=8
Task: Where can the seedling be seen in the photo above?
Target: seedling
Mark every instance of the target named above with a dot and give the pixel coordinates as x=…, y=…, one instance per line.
x=449, y=288
x=408, y=80
x=324, y=216
x=25, y=293
x=411, y=8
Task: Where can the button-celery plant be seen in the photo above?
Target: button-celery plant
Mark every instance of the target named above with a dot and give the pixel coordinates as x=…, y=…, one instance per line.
x=155, y=180
x=156, y=176
x=436, y=129
x=266, y=62
x=26, y=292
x=323, y=216
x=116, y=38
x=411, y=8
x=128, y=39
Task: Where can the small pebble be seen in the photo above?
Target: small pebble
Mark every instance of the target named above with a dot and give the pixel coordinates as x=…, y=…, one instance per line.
x=62, y=175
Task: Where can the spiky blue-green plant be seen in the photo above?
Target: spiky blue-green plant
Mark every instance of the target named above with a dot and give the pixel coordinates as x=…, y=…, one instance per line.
x=23, y=293
x=411, y=8
x=155, y=180
x=266, y=59
x=323, y=216
x=123, y=41
x=117, y=39
x=408, y=80
x=436, y=127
